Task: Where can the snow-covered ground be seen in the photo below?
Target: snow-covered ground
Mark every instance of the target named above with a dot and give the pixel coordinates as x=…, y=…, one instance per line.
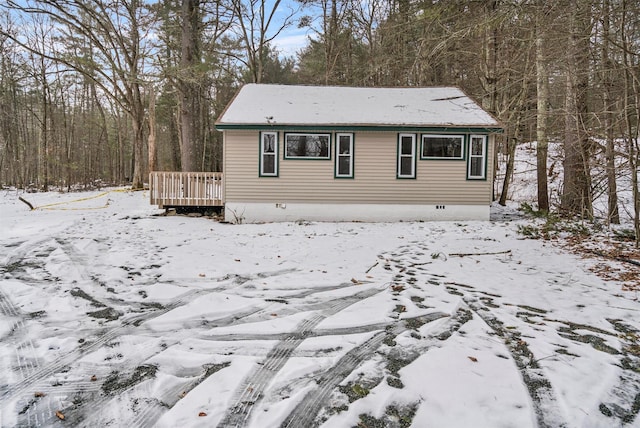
x=111, y=315
x=523, y=188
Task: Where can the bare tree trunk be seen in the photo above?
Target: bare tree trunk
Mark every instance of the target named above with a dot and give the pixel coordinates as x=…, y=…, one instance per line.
x=490, y=63
x=633, y=147
x=613, y=214
x=137, y=123
x=513, y=141
x=187, y=84
x=176, y=142
x=104, y=140
x=44, y=129
x=151, y=140
x=254, y=27
x=519, y=109
x=136, y=103
x=633, y=164
x=331, y=32
x=542, y=86
x=631, y=116
x=576, y=196
x=508, y=175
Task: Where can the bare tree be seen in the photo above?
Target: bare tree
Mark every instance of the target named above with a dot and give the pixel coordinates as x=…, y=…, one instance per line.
x=257, y=27
x=13, y=70
x=188, y=82
x=192, y=36
x=606, y=75
x=117, y=33
x=542, y=85
x=576, y=196
x=367, y=17
x=631, y=112
x=153, y=152
x=332, y=36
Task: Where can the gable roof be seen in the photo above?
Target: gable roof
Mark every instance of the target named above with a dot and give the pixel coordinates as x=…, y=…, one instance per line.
x=287, y=105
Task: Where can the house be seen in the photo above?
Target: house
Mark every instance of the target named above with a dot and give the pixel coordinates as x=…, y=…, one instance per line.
x=356, y=154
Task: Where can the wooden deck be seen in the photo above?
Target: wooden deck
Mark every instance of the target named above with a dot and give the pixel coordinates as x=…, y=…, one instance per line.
x=186, y=189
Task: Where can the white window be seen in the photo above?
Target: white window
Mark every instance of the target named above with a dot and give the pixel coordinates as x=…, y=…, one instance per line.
x=344, y=155
x=307, y=146
x=406, y=156
x=442, y=146
x=268, y=154
x=477, y=162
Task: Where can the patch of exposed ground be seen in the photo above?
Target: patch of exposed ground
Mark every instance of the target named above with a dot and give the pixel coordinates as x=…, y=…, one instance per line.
x=77, y=292
x=394, y=417
x=108, y=314
x=116, y=382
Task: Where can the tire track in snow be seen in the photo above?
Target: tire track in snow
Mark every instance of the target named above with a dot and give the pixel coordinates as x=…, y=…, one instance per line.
x=251, y=390
x=18, y=254
x=154, y=403
x=88, y=412
x=623, y=400
x=316, y=290
x=265, y=314
x=148, y=415
x=283, y=336
x=547, y=410
x=546, y=407
x=147, y=409
x=25, y=360
x=307, y=410
x=39, y=377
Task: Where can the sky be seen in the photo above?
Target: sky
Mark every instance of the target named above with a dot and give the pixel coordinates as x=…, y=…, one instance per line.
x=291, y=41
x=292, y=38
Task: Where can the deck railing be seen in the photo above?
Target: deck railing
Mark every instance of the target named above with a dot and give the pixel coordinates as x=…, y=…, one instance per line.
x=186, y=189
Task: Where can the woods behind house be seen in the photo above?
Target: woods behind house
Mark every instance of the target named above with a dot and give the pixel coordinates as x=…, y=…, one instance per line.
x=99, y=92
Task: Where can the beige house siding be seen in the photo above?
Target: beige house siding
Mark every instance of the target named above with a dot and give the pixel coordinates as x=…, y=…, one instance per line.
x=374, y=182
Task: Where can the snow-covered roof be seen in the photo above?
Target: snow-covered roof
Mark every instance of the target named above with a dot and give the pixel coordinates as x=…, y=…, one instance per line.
x=261, y=104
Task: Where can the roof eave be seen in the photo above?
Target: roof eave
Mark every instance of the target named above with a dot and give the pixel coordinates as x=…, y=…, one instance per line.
x=485, y=128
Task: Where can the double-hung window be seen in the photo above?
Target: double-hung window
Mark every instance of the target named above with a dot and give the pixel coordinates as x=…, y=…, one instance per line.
x=268, y=154
x=406, y=156
x=344, y=155
x=442, y=146
x=307, y=146
x=477, y=162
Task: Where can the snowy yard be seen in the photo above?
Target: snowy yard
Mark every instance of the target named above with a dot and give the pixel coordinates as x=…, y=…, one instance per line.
x=115, y=316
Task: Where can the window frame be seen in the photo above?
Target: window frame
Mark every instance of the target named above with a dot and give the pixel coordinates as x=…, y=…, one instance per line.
x=483, y=157
x=261, y=172
x=338, y=155
x=327, y=134
x=461, y=137
x=400, y=156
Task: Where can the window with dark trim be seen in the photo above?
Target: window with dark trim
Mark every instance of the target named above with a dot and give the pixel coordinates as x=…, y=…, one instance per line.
x=442, y=146
x=307, y=146
x=344, y=155
x=406, y=156
x=268, y=154
x=477, y=162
